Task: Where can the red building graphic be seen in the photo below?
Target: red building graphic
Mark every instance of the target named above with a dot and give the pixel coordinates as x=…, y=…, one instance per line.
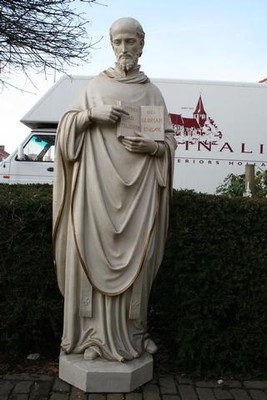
x=199, y=127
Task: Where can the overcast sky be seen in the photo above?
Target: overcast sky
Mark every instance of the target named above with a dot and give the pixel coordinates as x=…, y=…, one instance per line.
x=190, y=39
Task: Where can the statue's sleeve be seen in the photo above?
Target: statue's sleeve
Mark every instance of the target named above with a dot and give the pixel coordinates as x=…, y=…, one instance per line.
x=72, y=128
x=164, y=165
x=70, y=134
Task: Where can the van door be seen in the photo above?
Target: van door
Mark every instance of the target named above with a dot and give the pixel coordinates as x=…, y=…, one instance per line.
x=34, y=162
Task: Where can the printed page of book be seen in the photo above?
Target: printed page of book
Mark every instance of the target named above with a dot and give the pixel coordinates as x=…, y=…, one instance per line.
x=128, y=124
x=152, y=122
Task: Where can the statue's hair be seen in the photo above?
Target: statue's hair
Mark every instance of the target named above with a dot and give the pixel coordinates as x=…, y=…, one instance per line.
x=139, y=30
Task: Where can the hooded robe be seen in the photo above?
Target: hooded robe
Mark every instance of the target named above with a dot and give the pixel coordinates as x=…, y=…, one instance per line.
x=110, y=219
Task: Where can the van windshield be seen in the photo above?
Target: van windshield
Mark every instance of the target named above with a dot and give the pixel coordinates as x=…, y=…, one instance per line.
x=38, y=148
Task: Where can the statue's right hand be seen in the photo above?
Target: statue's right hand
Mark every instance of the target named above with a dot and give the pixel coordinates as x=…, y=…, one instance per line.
x=106, y=113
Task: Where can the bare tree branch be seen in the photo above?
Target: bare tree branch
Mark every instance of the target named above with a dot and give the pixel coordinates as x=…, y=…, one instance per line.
x=41, y=34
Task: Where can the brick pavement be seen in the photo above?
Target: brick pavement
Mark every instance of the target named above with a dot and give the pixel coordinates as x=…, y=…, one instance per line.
x=39, y=386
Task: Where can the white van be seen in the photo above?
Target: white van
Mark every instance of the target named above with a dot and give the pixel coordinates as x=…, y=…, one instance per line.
x=219, y=127
x=33, y=161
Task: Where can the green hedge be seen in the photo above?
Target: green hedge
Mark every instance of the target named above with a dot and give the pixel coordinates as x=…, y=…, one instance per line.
x=211, y=291
x=208, y=304
x=30, y=304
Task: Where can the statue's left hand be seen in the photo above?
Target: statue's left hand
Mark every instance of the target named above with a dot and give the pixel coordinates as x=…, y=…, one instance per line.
x=139, y=144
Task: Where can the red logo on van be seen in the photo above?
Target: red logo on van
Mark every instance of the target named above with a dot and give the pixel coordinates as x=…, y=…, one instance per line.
x=199, y=128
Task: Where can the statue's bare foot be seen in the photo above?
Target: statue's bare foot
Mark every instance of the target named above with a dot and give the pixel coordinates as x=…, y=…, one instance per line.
x=150, y=346
x=90, y=354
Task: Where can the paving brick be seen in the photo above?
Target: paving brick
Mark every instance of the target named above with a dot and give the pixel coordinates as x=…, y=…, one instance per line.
x=28, y=377
x=184, y=380
x=222, y=394
x=206, y=384
x=23, y=387
x=6, y=387
x=133, y=396
x=205, y=394
x=239, y=394
x=40, y=390
x=167, y=385
x=18, y=377
x=114, y=396
x=76, y=394
x=43, y=378
x=97, y=396
x=262, y=385
x=151, y=392
x=3, y=397
x=18, y=396
x=258, y=395
x=59, y=396
x=61, y=386
x=232, y=384
x=171, y=397
x=187, y=392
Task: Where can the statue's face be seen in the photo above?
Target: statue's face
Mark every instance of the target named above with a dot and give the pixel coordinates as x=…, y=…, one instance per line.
x=127, y=45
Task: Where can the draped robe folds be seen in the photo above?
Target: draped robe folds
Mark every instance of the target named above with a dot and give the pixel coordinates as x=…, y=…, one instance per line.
x=110, y=216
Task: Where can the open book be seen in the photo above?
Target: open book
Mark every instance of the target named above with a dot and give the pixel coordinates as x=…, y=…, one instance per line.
x=149, y=120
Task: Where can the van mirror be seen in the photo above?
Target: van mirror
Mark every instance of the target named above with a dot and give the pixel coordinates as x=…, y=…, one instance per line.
x=20, y=155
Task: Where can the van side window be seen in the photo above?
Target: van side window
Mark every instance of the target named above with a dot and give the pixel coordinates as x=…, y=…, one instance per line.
x=38, y=148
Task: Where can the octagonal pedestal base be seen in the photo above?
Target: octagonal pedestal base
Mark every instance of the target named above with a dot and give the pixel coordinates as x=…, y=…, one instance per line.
x=105, y=376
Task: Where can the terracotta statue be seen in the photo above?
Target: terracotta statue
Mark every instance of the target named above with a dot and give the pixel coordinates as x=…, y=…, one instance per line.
x=110, y=208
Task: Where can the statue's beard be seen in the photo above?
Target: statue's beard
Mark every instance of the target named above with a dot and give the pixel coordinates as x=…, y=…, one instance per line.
x=127, y=63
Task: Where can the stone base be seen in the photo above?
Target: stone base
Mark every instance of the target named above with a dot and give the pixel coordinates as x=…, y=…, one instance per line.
x=101, y=376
